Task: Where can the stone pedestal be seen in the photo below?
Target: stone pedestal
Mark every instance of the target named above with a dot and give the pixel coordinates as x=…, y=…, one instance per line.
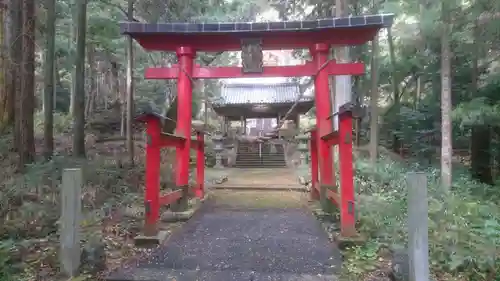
x=218, y=139
x=303, y=170
x=230, y=152
x=303, y=149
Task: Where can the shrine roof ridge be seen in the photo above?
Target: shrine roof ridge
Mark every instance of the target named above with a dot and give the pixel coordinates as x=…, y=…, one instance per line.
x=261, y=84
x=379, y=20
x=277, y=93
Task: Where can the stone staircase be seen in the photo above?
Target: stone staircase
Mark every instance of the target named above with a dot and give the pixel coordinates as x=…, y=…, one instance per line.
x=270, y=155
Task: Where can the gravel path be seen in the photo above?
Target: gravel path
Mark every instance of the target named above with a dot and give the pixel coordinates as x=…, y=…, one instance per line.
x=226, y=244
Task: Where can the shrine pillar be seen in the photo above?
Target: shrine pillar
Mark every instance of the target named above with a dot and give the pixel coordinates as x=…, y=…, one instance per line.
x=200, y=166
x=242, y=125
x=225, y=125
x=278, y=121
x=297, y=122
x=185, y=56
x=320, y=54
x=313, y=146
x=152, y=188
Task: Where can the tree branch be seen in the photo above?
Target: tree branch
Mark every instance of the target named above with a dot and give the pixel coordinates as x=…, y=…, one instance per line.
x=119, y=7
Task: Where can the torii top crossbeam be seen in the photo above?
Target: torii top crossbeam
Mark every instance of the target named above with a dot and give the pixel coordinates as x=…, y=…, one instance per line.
x=214, y=37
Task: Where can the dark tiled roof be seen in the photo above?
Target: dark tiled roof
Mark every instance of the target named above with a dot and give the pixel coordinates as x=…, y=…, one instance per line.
x=382, y=20
x=278, y=93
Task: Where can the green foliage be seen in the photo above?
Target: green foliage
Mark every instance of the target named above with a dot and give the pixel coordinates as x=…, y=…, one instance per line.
x=62, y=122
x=478, y=111
x=6, y=272
x=361, y=259
x=463, y=227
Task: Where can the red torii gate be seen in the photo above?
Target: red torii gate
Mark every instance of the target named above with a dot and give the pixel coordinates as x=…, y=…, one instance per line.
x=318, y=35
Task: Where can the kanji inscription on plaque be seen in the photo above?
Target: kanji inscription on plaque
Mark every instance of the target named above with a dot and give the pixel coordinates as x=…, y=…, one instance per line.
x=251, y=55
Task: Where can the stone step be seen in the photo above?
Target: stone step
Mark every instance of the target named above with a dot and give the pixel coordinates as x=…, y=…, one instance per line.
x=259, y=165
x=266, y=152
x=263, y=157
x=258, y=156
x=257, y=153
x=157, y=274
x=259, y=161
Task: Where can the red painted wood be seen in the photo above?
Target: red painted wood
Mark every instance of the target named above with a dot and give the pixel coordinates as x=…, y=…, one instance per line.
x=184, y=98
x=308, y=69
x=200, y=166
x=152, y=187
x=171, y=197
x=176, y=141
x=320, y=54
x=332, y=138
x=270, y=40
x=334, y=197
x=347, y=217
x=196, y=143
x=313, y=144
x=334, y=141
x=172, y=141
x=145, y=118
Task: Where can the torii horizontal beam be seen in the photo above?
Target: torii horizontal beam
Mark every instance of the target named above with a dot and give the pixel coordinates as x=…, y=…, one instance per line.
x=308, y=69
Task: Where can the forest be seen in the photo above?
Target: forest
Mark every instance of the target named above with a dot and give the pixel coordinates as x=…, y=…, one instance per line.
x=70, y=85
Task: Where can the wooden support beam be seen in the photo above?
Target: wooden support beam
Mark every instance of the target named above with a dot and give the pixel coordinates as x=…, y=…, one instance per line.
x=171, y=197
x=334, y=197
x=313, y=146
x=171, y=140
x=308, y=69
x=331, y=138
x=347, y=200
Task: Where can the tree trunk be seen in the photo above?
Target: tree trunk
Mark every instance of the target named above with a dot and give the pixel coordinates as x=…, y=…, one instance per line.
x=16, y=55
x=396, y=142
x=92, y=89
x=357, y=84
x=73, y=60
x=79, y=104
x=374, y=103
x=27, y=101
x=342, y=93
x=48, y=95
x=480, y=153
x=480, y=139
x=446, y=140
x=421, y=49
x=130, y=87
x=115, y=90
x=6, y=101
x=57, y=84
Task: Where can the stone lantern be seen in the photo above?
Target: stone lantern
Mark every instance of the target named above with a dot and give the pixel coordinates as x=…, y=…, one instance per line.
x=218, y=139
x=303, y=149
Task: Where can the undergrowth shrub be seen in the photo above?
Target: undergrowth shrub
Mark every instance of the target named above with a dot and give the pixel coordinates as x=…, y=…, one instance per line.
x=464, y=224
x=62, y=122
x=6, y=273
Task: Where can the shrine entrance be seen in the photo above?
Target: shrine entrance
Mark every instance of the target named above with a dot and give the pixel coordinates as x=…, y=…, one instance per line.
x=275, y=242
x=333, y=114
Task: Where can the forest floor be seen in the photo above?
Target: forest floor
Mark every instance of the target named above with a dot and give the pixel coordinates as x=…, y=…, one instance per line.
x=112, y=201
